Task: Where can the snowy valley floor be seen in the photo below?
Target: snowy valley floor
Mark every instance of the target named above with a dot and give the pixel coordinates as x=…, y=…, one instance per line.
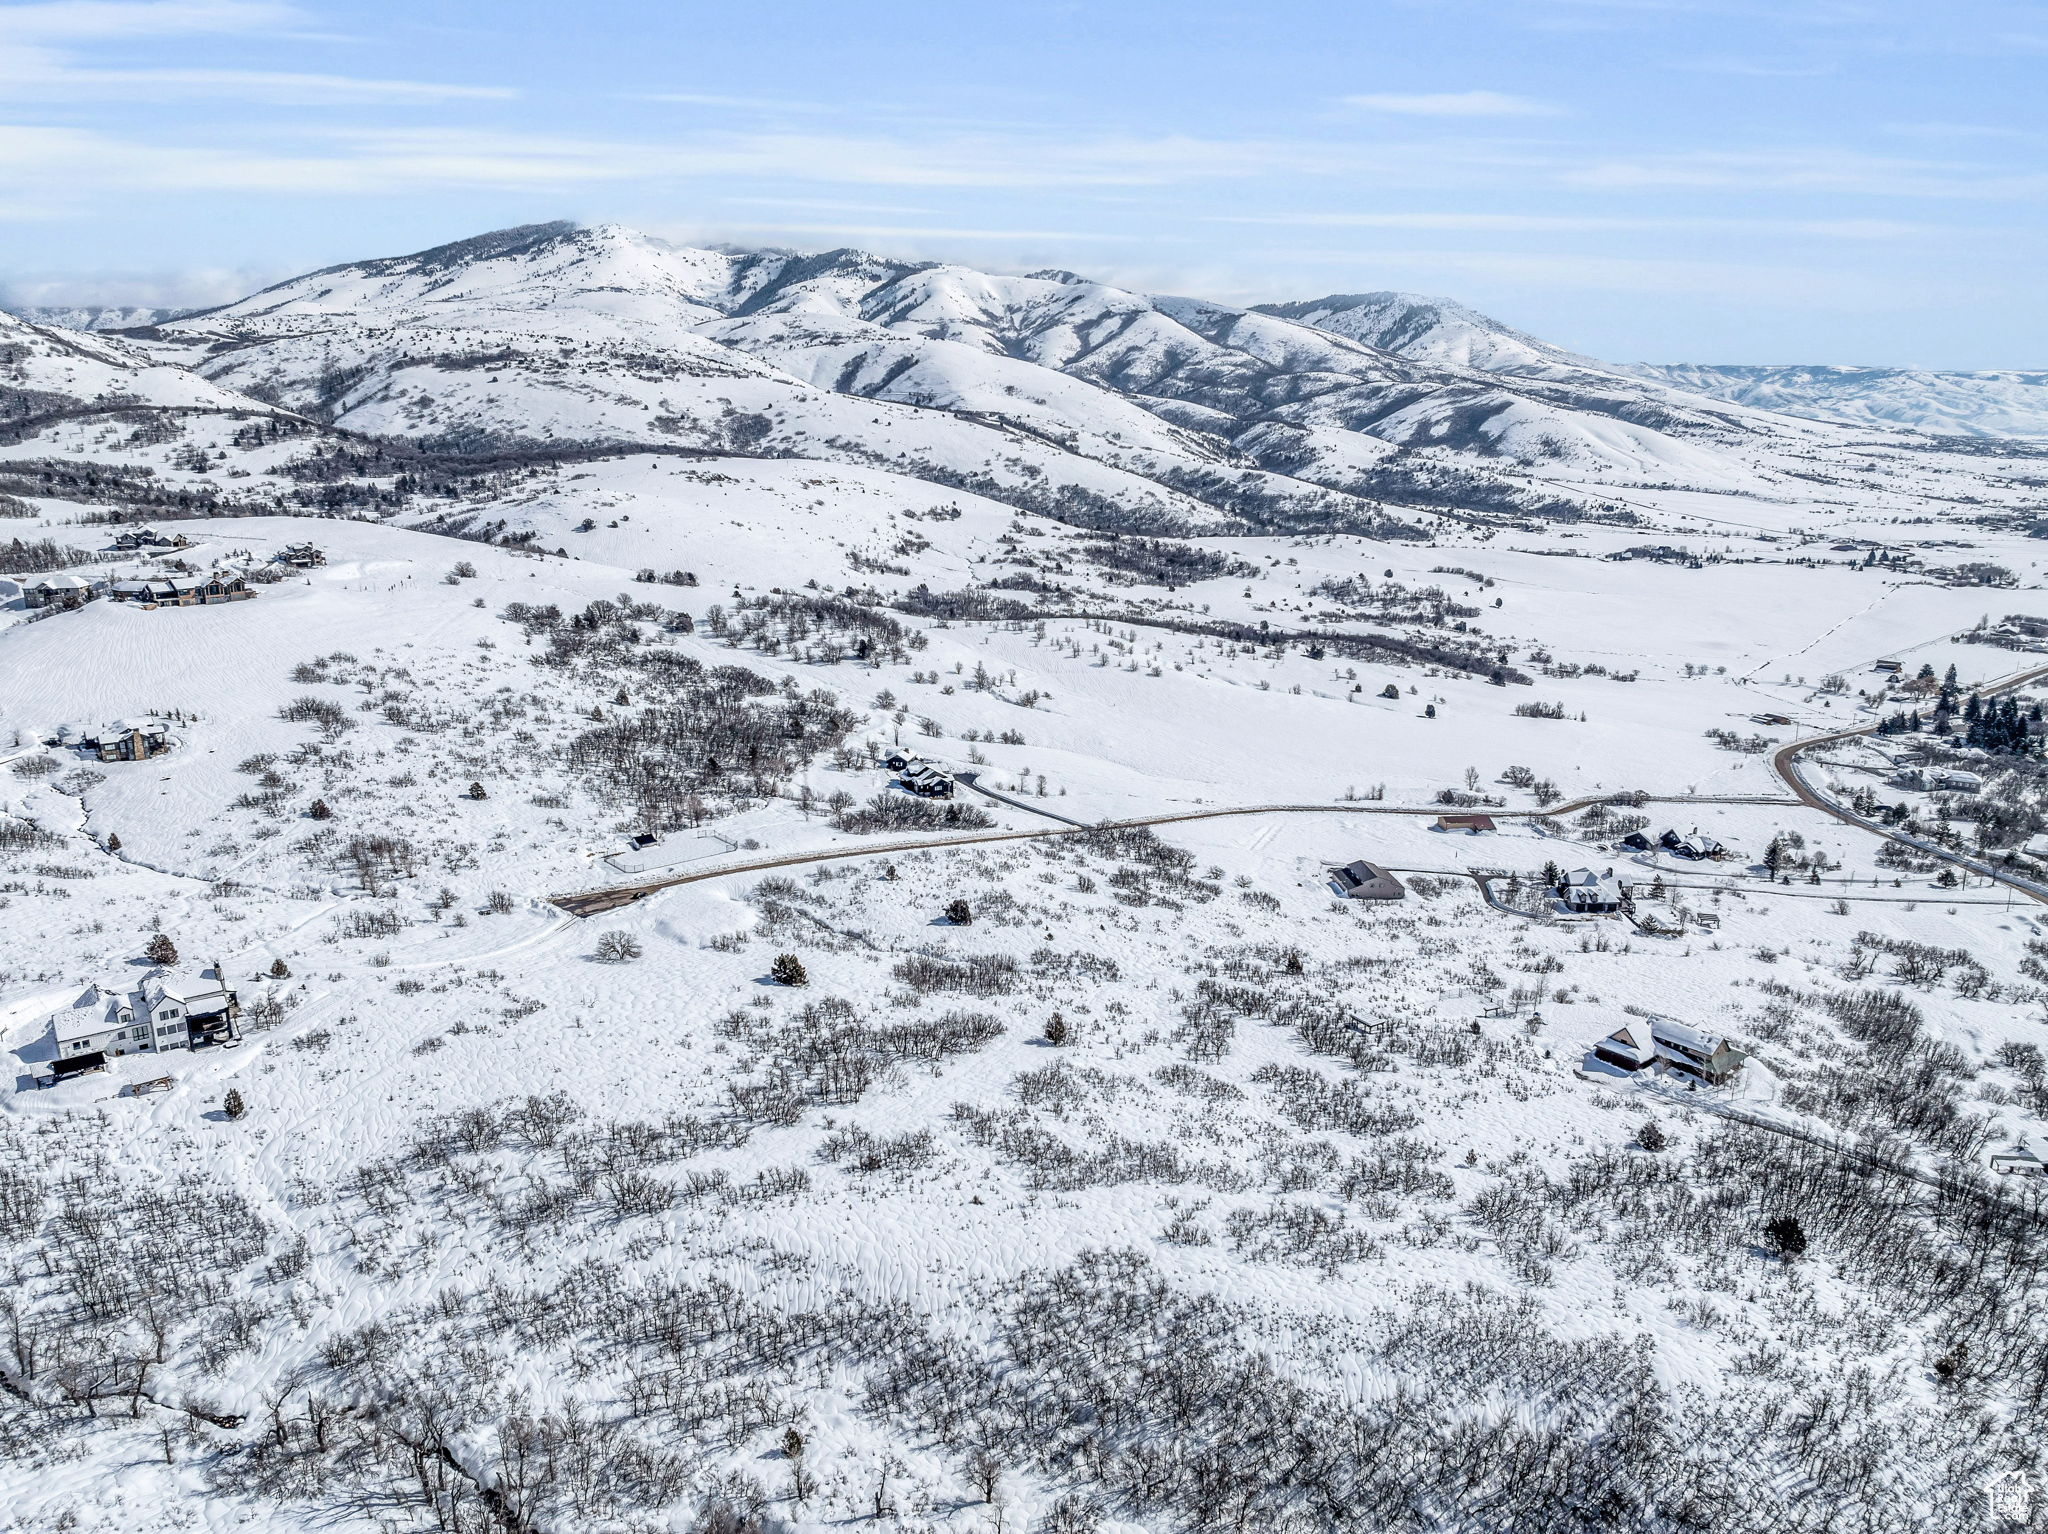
x=1316, y=1216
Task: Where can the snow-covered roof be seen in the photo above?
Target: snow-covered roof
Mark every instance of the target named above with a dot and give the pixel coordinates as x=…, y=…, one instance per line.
x=185, y=988
x=61, y=583
x=95, y=1011
x=1586, y=876
x=1633, y=1041
x=1665, y=1030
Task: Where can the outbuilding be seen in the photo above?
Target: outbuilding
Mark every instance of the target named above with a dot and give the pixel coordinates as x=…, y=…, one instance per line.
x=2028, y=1158
x=1471, y=825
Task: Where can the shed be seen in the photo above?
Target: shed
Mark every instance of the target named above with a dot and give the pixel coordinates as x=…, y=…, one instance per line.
x=2021, y=1157
x=77, y=1065
x=1367, y=881
x=1629, y=1046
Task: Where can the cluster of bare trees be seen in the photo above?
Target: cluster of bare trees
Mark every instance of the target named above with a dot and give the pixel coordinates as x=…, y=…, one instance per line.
x=821, y=628
x=722, y=733
x=828, y=1052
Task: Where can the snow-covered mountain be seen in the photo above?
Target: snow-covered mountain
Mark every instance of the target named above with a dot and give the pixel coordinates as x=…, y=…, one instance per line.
x=1047, y=389
x=92, y=316
x=1441, y=330
x=1993, y=404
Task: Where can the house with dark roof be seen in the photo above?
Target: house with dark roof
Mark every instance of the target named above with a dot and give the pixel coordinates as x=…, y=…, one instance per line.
x=182, y=590
x=123, y=740
x=1367, y=881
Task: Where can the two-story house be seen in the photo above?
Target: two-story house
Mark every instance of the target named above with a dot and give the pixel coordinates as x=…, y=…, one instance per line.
x=166, y=1011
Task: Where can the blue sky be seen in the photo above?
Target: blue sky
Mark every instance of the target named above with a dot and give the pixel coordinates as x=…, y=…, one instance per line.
x=1664, y=180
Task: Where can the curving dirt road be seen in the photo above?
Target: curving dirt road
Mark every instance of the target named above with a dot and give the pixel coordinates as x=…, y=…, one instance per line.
x=591, y=902
x=1785, y=764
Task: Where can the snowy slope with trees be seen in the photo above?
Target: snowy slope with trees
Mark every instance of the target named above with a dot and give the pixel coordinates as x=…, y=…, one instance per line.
x=1065, y=1155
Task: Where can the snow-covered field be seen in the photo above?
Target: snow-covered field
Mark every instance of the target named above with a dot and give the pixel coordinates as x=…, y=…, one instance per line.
x=1103, y=1170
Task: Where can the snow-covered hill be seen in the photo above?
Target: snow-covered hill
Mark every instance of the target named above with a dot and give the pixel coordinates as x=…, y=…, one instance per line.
x=1441, y=330
x=92, y=316
x=1049, y=390
x=48, y=372
x=1437, y=330
x=2010, y=404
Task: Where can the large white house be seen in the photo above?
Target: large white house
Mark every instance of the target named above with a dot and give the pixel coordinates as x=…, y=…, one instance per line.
x=1664, y=1044
x=166, y=1011
x=58, y=591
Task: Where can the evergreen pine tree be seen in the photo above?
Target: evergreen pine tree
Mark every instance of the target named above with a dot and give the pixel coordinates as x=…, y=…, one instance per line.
x=788, y=969
x=232, y=1105
x=160, y=950
x=279, y=970
x=1787, y=1236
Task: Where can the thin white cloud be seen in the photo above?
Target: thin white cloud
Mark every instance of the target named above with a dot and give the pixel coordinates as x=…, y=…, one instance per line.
x=1549, y=223
x=90, y=20
x=1808, y=171
x=35, y=64
x=891, y=232
x=33, y=76
x=60, y=163
x=1453, y=104
x=198, y=288
x=741, y=103
x=1734, y=282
